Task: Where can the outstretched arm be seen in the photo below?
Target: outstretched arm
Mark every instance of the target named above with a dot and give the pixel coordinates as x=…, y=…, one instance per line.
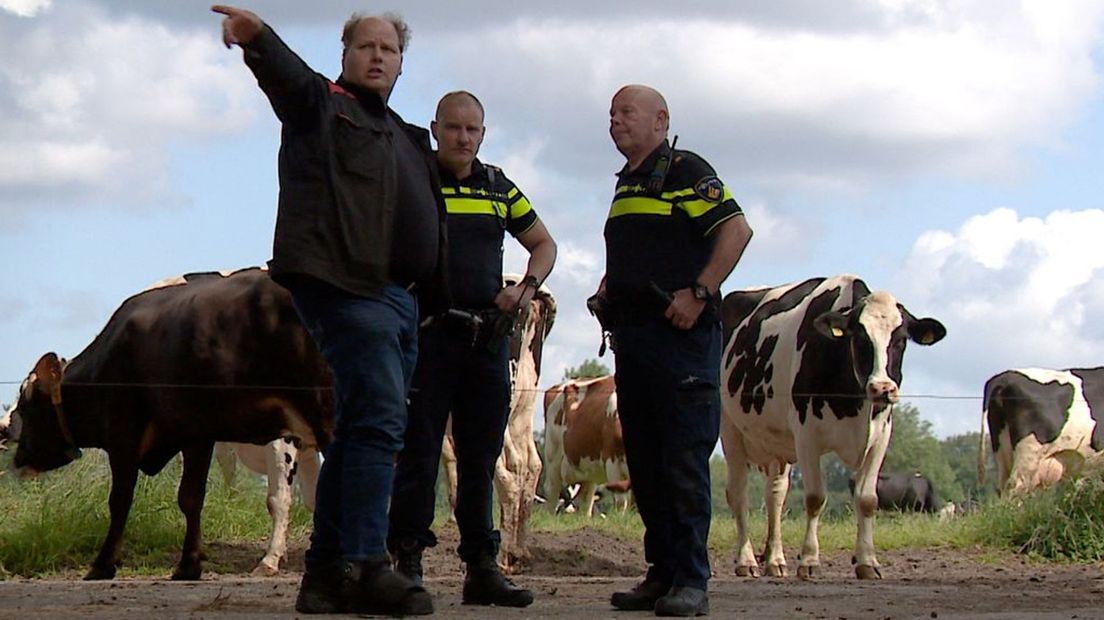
x=239, y=26
x=286, y=80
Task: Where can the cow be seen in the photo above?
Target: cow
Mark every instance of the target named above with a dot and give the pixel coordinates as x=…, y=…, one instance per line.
x=811, y=368
x=519, y=466
x=902, y=491
x=1042, y=424
x=174, y=370
x=281, y=462
x=582, y=439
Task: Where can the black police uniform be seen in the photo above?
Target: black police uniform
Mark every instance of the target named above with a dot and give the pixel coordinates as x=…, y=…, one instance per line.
x=462, y=371
x=658, y=241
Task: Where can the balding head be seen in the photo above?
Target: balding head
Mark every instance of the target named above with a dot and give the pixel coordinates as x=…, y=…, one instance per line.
x=638, y=122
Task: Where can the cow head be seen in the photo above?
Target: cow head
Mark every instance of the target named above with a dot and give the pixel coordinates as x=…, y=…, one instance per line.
x=876, y=330
x=38, y=425
x=535, y=323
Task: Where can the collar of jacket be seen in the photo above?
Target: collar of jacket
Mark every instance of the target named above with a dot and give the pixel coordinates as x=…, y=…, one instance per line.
x=370, y=99
x=649, y=163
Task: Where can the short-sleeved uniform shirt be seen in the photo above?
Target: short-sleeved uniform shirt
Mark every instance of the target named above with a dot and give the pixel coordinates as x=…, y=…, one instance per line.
x=662, y=237
x=481, y=208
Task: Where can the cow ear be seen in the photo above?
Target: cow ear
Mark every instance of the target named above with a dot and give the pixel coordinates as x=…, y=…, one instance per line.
x=832, y=324
x=47, y=373
x=926, y=331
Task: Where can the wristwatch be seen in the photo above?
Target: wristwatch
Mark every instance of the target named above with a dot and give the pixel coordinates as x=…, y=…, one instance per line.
x=700, y=291
x=532, y=281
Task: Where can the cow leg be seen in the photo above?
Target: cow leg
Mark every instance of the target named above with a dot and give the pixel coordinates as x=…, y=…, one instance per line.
x=732, y=444
x=124, y=476
x=866, y=501
x=586, y=492
x=228, y=463
x=448, y=463
x=190, y=496
x=309, y=466
x=778, y=485
x=280, y=464
x=528, y=496
x=808, y=459
x=509, y=496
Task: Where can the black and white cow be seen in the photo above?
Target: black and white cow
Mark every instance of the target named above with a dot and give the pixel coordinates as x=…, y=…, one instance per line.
x=811, y=368
x=907, y=492
x=281, y=462
x=1042, y=423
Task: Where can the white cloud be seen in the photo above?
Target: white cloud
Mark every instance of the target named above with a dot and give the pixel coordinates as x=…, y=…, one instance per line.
x=92, y=105
x=24, y=8
x=1012, y=292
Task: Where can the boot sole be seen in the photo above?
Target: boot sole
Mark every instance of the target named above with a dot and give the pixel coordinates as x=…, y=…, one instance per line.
x=494, y=603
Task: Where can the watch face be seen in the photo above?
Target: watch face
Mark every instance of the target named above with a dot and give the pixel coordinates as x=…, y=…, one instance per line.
x=700, y=292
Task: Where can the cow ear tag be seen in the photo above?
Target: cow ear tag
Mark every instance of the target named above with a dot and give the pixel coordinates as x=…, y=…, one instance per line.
x=927, y=338
x=837, y=332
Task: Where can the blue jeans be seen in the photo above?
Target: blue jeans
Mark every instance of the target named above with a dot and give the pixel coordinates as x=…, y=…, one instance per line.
x=669, y=403
x=472, y=383
x=371, y=347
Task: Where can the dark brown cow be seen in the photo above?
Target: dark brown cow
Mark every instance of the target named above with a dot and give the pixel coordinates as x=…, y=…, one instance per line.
x=175, y=370
x=582, y=439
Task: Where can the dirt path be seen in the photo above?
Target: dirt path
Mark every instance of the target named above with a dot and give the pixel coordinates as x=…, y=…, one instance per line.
x=573, y=575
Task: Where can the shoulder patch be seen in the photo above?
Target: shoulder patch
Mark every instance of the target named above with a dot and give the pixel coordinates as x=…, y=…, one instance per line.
x=709, y=188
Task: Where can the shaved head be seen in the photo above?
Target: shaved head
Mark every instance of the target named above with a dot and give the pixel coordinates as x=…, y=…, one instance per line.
x=648, y=98
x=638, y=122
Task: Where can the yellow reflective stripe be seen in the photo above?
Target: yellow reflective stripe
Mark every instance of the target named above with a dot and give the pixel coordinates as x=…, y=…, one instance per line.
x=699, y=207
x=639, y=205
x=479, y=206
x=520, y=207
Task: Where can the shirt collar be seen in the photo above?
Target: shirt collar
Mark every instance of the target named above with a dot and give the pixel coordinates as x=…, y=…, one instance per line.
x=477, y=177
x=649, y=162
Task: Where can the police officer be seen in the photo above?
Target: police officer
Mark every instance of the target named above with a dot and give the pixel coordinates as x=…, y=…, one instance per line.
x=463, y=363
x=672, y=236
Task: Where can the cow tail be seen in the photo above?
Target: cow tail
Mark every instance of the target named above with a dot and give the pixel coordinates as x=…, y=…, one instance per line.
x=981, y=461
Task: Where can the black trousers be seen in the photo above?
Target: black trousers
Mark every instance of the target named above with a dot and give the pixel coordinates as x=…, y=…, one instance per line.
x=669, y=403
x=470, y=381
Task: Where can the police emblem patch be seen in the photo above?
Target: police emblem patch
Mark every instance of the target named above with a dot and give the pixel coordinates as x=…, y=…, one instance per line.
x=709, y=188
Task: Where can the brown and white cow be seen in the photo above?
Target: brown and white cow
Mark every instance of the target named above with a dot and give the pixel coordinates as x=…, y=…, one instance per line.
x=582, y=440
x=282, y=463
x=811, y=368
x=175, y=370
x=519, y=466
x=1042, y=423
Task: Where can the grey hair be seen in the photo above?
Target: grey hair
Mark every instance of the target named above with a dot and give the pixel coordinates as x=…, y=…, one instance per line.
x=396, y=20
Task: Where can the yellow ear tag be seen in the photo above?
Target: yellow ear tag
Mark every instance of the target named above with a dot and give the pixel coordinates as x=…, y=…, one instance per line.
x=837, y=332
x=927, y=338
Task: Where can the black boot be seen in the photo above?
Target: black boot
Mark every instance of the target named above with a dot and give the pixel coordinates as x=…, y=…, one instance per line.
x=486, y=585
x=642, y=597
x=684, y=602
x=377, y=589
x=323, y=590
x=408, y=560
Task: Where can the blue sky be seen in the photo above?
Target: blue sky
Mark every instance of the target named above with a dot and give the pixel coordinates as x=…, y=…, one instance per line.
x=945, y=151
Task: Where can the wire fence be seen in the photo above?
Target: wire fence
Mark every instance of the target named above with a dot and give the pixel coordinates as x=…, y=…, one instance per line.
x=538, y=389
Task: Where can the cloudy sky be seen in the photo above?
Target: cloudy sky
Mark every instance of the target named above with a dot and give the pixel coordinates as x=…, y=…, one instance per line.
x=943, y=150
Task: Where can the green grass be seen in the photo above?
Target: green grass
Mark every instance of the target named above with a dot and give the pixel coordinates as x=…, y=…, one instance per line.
x=1064, y=522
x=55, y=524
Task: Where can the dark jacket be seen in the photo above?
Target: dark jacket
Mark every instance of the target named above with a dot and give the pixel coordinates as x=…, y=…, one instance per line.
x=338, y=178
